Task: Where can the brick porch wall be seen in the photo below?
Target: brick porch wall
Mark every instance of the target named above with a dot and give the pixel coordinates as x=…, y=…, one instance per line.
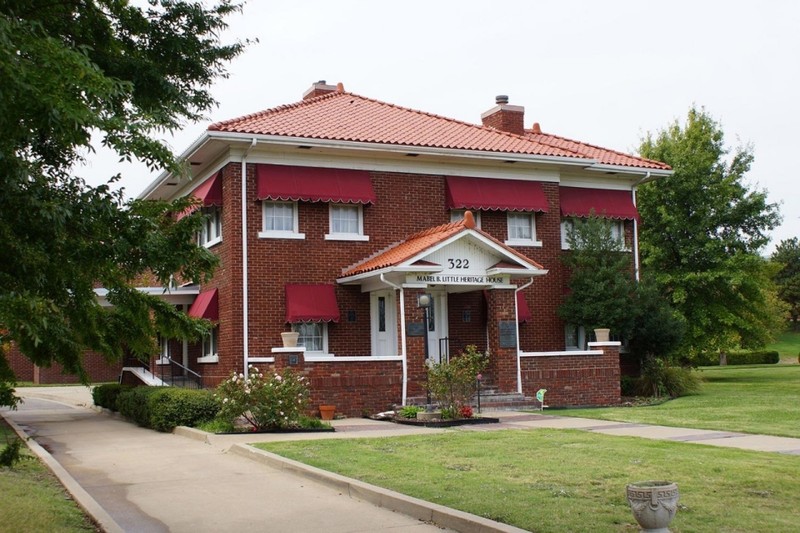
x=574, y=380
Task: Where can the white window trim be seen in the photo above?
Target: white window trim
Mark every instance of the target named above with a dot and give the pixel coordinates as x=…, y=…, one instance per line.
x=458, y=214
x=617, y=226
x=273, y=234
x=324, y=351
x=346, y=236
x=216, y=240
x=522, y=242
x=581, y=338
x=163, y=358
x=210, y=358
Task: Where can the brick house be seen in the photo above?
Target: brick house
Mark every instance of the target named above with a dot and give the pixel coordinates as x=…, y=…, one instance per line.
x=333, y=215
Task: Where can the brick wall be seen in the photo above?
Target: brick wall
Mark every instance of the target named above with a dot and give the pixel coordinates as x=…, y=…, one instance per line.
x=578, y=380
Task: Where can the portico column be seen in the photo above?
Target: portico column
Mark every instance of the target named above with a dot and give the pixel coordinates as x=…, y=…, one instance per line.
x=503, y=352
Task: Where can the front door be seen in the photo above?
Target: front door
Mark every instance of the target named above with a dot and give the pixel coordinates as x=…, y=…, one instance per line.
x=437, y=328
x=384, y=323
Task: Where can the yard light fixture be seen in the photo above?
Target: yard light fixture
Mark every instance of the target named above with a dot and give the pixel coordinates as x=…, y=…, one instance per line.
x=424, y=301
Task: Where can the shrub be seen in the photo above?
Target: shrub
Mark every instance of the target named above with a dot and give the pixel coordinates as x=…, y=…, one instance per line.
x=659, y=378
x=170, y=407
x=628, y=386
x=410, y=411
x=164, y=408
x=265, y=401
x=452, y=384
x=754, y=357
x=12, y=453
x=106, y=395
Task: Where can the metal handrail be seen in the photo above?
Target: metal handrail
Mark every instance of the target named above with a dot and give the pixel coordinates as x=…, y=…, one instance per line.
x=189, y=375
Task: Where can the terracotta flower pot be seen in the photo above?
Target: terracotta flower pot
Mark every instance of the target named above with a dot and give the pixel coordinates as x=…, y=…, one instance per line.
x=654, y=504
x=326, y=412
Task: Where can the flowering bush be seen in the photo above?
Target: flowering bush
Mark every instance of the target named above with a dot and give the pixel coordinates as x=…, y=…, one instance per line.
x=265, y=401
x=453, y=383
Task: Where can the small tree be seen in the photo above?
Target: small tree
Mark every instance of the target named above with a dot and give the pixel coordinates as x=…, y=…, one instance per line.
x=452, y=383
x=787, y=278
x=601, y=282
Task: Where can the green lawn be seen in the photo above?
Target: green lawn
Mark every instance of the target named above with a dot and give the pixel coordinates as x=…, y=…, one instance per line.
x=32, y=499
x=788, y=345
x=564, y=481
x=752, y=399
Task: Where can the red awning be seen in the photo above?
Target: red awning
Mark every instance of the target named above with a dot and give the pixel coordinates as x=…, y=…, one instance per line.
x=206, y=305
x=209, y=193
x=311, y=303
x=495, y=195
x=579, y=202
x=311, y=184
x=523, y=311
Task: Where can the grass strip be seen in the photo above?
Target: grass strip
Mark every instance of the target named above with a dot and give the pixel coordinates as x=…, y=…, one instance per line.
x=33, y=499
x=562, y=481
x=760, y=399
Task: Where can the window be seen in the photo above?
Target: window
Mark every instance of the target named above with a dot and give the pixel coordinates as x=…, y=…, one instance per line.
x=522, y=229
x=210, y=347
x=617, y=230
x=313, y=336
x=163, y=344
x=574, y=337
x=280, y=221
x=211, y=233
x=458, y=214
x=346, y=223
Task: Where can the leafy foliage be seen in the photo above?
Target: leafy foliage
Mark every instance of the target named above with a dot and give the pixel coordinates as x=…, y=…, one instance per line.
x=701, y=233
x=71, y=70
x=106, y=395
x=164, y=408
x=661, y=378
x=601, y=282
x=11, y=453
x=787, y=278
x=754, y=357
x=453, y=383
x=265, y=401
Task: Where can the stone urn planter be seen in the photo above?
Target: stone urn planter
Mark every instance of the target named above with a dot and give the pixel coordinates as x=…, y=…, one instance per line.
x=290, y=339
x=602, y=334
x=654, y=504
x=326, y=412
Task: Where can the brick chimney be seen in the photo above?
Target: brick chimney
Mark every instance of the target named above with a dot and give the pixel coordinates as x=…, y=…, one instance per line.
x=505, y=117
x=318, y=89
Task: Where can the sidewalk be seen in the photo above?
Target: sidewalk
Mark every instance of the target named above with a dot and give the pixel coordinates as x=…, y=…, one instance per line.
x=140, y=480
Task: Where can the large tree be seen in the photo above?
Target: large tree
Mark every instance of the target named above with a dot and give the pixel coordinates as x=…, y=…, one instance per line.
x=701, y=234
x=72, y=69
x=787, y=277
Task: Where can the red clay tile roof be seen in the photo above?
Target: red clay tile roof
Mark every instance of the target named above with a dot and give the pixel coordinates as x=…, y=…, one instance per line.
x=603, y=155
x=344, y=116
x=417, y=243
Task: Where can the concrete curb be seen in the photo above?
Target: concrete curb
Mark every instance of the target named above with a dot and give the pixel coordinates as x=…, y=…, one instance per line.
x=191, y=433
x=78, y=493
x=420, y=509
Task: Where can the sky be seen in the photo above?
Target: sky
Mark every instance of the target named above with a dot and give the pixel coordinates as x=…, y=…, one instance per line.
x=603, y=72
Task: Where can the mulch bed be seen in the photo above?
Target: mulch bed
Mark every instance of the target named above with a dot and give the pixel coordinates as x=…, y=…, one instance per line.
x=281, y=430
x=439, y=423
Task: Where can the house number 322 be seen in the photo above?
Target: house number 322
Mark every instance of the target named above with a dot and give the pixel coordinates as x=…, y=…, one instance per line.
x=458, y=263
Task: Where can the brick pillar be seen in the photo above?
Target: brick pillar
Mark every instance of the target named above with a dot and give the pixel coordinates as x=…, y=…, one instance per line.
x=415, y=345
x=502, y=361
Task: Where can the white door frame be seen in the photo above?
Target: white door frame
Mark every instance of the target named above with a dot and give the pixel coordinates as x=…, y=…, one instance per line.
x=383, y=342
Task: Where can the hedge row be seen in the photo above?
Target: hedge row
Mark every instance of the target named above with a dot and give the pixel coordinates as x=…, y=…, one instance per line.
x=756, y=357
x=159, y=408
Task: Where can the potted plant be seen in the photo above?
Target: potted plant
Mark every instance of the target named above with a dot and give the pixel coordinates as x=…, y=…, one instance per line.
x=654, y=504
x=326, y=412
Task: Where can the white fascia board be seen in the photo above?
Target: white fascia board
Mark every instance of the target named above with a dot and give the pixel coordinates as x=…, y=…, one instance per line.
x=164, y=176
x=516, y=272
x=401, y=149
x=635, y=171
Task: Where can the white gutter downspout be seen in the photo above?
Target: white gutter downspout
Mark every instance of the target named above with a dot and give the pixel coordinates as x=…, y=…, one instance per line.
x=636, y=229
x=402, y=337
x=245, y=299
x=516, y=318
